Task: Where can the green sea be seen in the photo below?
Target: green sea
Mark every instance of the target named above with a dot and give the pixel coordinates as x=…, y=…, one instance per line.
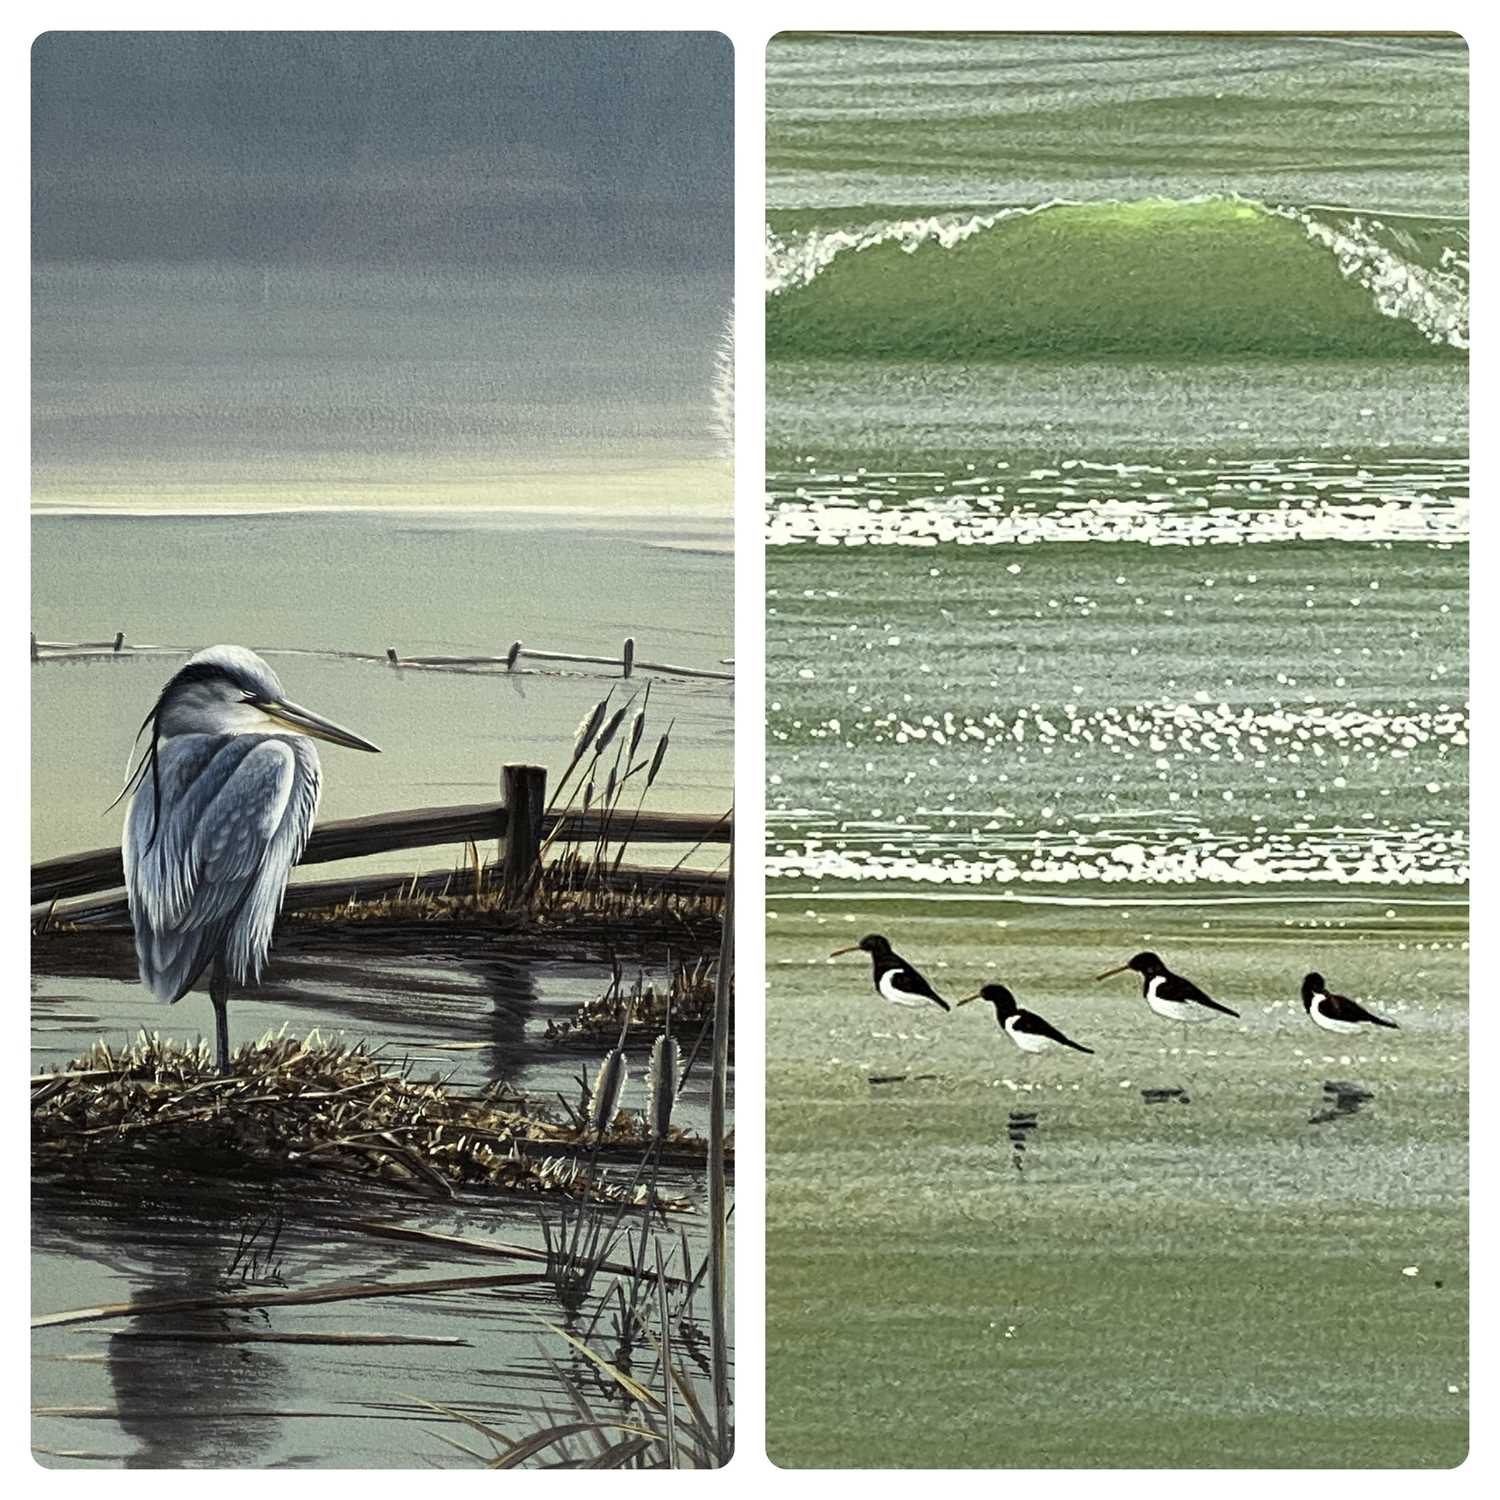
x=1117, y=535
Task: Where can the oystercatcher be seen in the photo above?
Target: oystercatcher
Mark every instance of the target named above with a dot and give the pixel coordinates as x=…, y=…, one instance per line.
x=1025, y=1028
x=895, y=979
x=1337, y=1012
x=1169, y=994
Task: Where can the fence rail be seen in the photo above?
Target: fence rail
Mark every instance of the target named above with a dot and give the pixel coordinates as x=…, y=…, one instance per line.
x=383, y=833
x=627, y=662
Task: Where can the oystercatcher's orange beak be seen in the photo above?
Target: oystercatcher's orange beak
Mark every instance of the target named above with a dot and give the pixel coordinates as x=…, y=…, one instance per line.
x=837, y=952
x=965, y=1000
x=1105, y=975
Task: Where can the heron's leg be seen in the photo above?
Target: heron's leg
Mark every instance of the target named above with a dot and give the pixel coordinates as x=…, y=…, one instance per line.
x=218, y=992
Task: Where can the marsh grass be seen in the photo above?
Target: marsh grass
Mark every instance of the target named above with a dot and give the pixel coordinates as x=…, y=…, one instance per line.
x=687, y=998
x=255, y=1261
x=581, y=874
x=655, y=1418
x=305, y=1105
x=571, y=884
x=640, y=1409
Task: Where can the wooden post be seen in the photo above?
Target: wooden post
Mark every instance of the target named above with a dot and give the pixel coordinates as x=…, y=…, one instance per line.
x=119, y=640
x=35, y=654
x=390, y=656
x=512, y=656
x=627, y=656
x=525, y=790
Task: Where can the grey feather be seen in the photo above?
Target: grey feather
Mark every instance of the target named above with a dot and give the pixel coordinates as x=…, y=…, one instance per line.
x=236, y=814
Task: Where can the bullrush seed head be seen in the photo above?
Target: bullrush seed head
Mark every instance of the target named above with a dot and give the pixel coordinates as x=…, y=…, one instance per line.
x=666, y=1080
x=659, y=757
x=588, y=726
x=604, y=1102
x=609, y=731
x=638, y=726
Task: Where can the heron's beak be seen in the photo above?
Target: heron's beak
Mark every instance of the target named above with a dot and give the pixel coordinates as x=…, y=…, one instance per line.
x=304, y=721
x=1105, y=975
x=838, y=952
x=965, y=1000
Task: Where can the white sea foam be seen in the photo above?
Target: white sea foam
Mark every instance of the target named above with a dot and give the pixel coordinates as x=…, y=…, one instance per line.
x=1432, y=297
x=1395, y=857
x=798, y=259
x=831, y=519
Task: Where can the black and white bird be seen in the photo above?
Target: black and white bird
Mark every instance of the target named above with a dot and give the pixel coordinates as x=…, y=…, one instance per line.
x=1170, y=995
x=895, y=979
x=1337, y=1012
x=1025, y=1028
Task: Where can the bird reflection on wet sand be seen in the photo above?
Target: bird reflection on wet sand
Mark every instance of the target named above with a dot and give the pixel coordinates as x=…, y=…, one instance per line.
x=1341, y=1101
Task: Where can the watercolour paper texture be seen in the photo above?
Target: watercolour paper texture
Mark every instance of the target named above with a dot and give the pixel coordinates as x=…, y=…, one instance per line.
x=1116, y=626
x=381, y=399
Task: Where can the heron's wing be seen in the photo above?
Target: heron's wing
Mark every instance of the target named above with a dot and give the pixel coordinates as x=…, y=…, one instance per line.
x=251, y=937
x=206, y=877
x=160, y=865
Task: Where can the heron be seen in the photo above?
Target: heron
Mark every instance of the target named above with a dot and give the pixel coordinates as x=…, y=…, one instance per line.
x=221, y=806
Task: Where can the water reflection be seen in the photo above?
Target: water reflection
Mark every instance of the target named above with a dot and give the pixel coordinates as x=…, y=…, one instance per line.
x=189, y=1402
x=1165, y=1095
x=1341, y=1100
x=196, y=1403
x=516, y=999
x=1019, y=1126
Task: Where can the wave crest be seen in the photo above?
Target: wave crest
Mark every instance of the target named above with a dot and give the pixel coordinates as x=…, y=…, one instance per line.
x=1202, y=277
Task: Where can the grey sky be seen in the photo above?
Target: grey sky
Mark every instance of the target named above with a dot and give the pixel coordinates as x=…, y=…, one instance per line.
x=608, y=149
x=416, y=268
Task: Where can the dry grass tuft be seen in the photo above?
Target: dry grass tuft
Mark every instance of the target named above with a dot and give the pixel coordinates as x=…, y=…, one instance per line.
x=688, y=999
x=308, y=1105
x=572, y=898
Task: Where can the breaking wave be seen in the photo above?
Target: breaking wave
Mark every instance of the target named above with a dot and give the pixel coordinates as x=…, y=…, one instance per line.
x=1206, y=277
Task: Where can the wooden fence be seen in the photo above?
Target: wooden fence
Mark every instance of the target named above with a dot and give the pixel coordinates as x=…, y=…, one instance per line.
x=627, y=663
x=520, y=822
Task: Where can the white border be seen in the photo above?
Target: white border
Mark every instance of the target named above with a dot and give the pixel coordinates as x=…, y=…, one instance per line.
x=749, y=26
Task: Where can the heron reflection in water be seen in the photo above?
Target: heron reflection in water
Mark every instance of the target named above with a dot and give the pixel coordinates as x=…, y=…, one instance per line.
x=221, y=807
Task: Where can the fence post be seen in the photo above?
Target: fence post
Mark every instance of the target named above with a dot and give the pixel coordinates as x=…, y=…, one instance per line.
x=35, y=654
x=512, y=656
x=390, y=656
x=627, y=656
x=119, y=640
x=525, y=801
